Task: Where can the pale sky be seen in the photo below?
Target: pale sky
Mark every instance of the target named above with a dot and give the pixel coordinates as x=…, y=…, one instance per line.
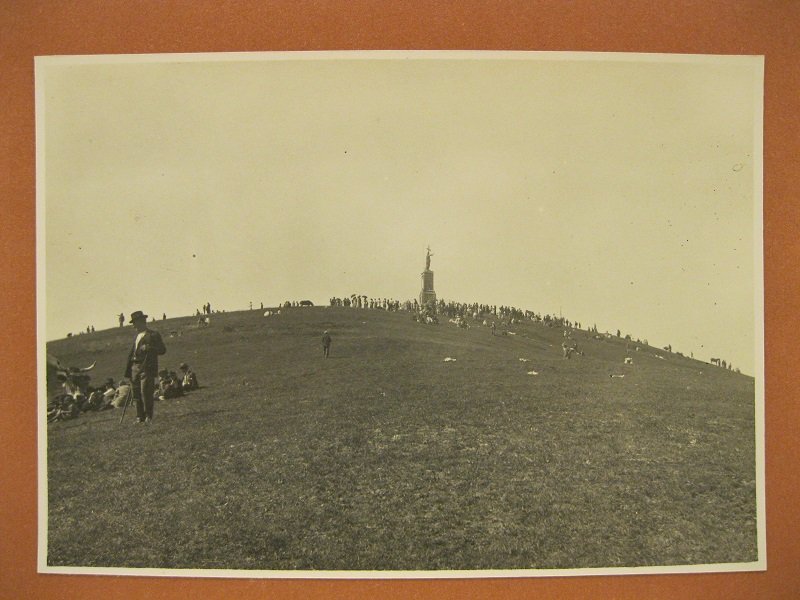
x=624, y=193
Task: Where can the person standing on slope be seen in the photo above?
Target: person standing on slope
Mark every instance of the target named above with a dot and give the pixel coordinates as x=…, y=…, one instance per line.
x=326, y=344
x=142, y=367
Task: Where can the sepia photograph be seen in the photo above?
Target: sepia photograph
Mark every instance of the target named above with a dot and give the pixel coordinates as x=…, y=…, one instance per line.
x=400, y=314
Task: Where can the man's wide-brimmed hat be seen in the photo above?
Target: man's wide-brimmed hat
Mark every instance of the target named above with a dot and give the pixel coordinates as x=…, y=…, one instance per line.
x=137, y=314
x=183, y=366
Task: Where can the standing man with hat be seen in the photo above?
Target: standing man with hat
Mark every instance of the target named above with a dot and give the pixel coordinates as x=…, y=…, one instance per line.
x=142, y=367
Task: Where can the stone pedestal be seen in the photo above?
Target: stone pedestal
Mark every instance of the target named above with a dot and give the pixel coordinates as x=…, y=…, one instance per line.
x=427, y=294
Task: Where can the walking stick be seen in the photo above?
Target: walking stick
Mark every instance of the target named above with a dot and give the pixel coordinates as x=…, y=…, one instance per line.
x=127, y=402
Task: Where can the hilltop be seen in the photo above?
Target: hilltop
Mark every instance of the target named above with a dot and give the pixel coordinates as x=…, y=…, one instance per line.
x=385, y=456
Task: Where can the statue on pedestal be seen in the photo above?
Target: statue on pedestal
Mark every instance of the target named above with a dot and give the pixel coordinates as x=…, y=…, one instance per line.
x=427, y=295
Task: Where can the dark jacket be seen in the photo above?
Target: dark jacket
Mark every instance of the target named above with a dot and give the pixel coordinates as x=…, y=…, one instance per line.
x=145, y=356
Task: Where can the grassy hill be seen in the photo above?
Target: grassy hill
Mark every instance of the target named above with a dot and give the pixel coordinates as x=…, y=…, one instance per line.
x=384, y=456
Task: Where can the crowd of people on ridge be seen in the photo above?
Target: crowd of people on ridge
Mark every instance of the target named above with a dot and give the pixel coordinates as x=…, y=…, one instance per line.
x=497, y=318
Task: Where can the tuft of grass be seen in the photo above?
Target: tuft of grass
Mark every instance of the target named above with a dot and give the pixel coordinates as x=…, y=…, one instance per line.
x=385, y=457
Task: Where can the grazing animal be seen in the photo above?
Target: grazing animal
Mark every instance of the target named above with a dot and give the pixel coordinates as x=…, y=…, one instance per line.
x=306, y=303
x=715, y=361
x=72, y=381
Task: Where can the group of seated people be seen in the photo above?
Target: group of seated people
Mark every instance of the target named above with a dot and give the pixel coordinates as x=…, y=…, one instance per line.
x=171, y=385
x=66, y=406
x=108, y=395
x=425, y=316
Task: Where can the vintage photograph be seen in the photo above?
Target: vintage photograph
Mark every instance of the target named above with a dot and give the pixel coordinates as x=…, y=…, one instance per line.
x=400, y=314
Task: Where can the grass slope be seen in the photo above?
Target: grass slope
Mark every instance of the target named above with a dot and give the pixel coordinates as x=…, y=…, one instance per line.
x=386, y=457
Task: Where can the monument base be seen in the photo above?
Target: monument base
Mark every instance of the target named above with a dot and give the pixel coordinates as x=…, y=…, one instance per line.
x=426, y=297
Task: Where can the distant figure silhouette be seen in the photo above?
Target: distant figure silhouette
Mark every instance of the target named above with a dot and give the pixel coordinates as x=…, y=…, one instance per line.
x=326, y=344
